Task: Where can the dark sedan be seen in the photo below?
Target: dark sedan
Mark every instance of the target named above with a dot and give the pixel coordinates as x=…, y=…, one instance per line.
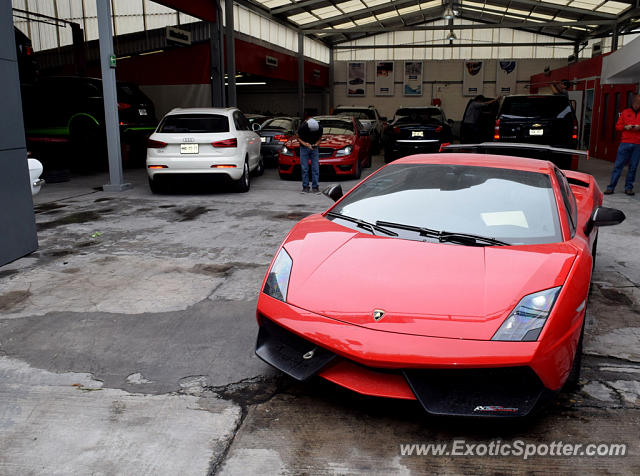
x=274, y=134
x=416, y=130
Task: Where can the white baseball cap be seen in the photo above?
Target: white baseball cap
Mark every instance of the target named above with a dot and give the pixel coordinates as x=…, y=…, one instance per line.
x=313, y=124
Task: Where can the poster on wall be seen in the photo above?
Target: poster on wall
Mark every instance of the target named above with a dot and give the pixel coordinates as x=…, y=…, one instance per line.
x=473, y=78
x=356, y=76
x=506, y=76
x=413, y=78
x=384, y=78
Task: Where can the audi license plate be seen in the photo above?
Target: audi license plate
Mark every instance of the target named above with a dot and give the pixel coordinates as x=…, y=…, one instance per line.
x=188, y=148
x=417, y=134
x=264, y=139
x=142, y=112
x=536, y=132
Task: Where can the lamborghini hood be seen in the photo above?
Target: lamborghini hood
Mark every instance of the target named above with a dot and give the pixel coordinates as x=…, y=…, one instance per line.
x=429, y=289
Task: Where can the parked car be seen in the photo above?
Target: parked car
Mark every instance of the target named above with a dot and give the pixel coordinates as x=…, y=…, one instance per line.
x=537, y=119
x=486, y=122
x=35, y=171
x=416, y=130
x=370, y=119
x=70, y=109
x=344, y=150
x=274, y=134
x=256, y=118
x=216, y=142
x=483, y=319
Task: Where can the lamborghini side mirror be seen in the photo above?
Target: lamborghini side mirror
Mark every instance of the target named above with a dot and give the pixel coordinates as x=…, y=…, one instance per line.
x=334, y=192
x=604, y=216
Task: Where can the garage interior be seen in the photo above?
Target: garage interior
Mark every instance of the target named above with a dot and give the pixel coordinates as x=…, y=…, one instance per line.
x=127, y=318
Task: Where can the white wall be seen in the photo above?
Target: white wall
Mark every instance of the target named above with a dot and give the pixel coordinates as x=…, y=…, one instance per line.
x=441, y=79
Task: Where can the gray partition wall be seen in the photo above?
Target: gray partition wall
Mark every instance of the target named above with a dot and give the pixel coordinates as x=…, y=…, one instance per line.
x=17, y=221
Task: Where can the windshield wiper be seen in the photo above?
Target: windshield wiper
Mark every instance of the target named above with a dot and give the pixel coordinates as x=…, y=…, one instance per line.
x=363, y=224
x=465, y=237
x=418, y=229
x=443, y=236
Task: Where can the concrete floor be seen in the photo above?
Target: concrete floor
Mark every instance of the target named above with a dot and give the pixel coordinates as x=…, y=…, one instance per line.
x=126, y=347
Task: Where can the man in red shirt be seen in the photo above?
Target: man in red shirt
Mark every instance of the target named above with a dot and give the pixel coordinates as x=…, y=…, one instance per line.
x=629, y=149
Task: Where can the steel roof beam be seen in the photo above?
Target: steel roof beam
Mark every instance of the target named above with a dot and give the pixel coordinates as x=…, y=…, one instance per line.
x=481, y=26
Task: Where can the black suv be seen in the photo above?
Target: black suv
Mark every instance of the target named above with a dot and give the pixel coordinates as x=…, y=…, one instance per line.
x=537, y=119
x=416, y=130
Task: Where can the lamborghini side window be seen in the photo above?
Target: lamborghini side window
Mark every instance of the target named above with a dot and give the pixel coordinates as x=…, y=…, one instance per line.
x=569, y=201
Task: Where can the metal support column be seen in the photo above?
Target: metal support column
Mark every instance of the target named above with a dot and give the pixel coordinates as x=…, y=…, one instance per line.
x=614, y=38
x=216, y=49
x=331, y=80
x=110, y=98
x=301, y=75
x=232, y=100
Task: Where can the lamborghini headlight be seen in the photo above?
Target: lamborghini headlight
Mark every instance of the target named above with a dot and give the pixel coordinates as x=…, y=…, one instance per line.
x=526, y=321
x=277, y=282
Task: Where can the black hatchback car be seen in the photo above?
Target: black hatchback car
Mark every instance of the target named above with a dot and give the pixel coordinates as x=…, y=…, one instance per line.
x=416, y=130
x=537, y=119
x=274, y=134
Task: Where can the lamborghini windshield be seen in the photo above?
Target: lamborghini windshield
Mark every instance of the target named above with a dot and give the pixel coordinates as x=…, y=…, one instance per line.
x=513, y=206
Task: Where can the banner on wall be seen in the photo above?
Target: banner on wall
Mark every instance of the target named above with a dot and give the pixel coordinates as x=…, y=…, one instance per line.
x=356, y=79
x=384, y=78
x=473, y=78
x=413, y=78
x=506, y=76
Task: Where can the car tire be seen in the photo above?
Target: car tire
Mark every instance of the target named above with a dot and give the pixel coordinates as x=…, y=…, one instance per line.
x=369, y=160
x=260, y=168
x=85, y=135
x=573, y=379
x=154, y=186
x=244, y=183
x=388, y=156
x=358, y=173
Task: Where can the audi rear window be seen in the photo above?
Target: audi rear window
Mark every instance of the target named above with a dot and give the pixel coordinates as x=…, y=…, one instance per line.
x=536, y=106
x=194, y=123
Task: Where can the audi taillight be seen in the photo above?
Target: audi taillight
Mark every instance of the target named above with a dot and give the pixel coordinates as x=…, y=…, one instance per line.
x=496, y=130
x=226, y=143
x=439, y=129
x=396, y=130
x=281, y=137
x=155, y=144
x=123, y=105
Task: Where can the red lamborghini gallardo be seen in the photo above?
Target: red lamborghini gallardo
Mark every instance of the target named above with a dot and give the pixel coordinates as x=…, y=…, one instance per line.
x=459, y=280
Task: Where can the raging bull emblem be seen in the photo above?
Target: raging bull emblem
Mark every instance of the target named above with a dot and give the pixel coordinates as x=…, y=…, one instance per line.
x=378, y=314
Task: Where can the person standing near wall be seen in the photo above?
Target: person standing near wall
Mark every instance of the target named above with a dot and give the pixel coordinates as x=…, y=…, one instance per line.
x=629, y=149
x=309, y=136
x=472, y=121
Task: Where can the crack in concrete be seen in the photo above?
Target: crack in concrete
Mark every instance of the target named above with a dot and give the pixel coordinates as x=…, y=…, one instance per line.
x=242, y=394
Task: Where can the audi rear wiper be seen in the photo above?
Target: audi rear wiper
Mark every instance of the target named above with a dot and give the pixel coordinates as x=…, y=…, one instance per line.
x=363, y=224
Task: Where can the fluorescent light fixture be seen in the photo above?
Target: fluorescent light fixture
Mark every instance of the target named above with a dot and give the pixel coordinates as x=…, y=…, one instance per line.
x=448, y=13
x=151, y=52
